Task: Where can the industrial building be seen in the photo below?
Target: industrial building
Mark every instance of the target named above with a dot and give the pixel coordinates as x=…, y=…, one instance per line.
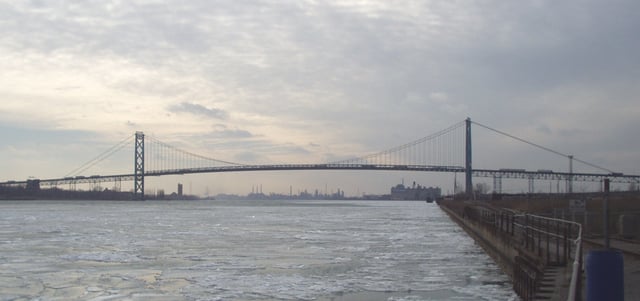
x=415, y=192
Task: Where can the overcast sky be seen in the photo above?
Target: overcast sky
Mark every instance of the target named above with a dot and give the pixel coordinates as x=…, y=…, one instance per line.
x=314, y=81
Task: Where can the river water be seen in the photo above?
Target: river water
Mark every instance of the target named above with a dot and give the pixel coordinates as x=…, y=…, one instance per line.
x=241, y=250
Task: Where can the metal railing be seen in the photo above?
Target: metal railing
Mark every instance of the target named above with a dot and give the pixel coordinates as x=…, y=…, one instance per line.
x=526, y=277
x=574, y=287
x=549, y=241
x=558, y=242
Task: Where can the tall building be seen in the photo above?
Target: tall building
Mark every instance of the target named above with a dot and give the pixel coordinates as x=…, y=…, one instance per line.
x=179, y=189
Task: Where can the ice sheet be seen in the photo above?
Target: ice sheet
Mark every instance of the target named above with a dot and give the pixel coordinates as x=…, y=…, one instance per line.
x=240, y=251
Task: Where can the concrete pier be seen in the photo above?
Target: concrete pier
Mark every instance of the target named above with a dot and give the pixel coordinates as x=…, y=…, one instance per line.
x=506, y=246
x=535, y=252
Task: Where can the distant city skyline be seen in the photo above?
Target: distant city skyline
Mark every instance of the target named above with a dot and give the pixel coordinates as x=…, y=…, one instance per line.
x=260, y=82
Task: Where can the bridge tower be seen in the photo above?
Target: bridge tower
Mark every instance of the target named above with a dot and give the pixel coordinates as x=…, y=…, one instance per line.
x=467, y=161
x=138, y=167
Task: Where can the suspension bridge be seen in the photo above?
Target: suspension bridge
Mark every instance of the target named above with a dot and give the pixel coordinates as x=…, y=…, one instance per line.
x=449, y=150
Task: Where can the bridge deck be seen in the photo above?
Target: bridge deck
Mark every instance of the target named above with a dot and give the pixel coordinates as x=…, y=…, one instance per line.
x=500, y=173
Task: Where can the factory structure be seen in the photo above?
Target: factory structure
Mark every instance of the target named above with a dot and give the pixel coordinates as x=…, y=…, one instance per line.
x=415, y=192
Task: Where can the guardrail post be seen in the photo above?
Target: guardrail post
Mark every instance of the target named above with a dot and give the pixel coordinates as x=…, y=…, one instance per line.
x=513, y=224
x=569, y=244
x=557, y=243
x=526, y=231
x=548, y=238
x=566, y=238
x=585, y=219
x=531, y=234
x=539, y=238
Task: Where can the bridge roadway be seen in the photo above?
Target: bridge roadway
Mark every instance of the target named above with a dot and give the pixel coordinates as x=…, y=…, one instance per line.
x=500, y=173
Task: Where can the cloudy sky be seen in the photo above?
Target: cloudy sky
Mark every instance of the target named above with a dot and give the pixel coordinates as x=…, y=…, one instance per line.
x=266, y=81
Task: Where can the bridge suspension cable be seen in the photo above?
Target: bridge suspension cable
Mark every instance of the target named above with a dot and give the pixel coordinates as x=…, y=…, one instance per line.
x=101, y=157
x=542, y=147
x=161, y=156
x=443, y=148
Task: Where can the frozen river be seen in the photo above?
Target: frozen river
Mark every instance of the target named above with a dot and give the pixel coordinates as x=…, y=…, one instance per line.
x=242, y=250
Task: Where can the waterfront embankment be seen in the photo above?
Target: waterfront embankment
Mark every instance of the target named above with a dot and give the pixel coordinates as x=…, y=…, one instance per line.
x=537, y=253
x=485, y=222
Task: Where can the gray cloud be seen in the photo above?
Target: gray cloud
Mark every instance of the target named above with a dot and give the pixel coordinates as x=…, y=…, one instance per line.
x=228, y=133
x=349, y=73
x=223, y=132
x=197, y=109
x=544, y=130
x=248, y=157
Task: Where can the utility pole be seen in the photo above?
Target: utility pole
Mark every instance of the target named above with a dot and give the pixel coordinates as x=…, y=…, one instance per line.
x=570, y=180
x=605, y=214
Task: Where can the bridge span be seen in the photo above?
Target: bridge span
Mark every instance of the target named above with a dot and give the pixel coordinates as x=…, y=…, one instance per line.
x=237, y=168
x=487, y=173
x=448, y=150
